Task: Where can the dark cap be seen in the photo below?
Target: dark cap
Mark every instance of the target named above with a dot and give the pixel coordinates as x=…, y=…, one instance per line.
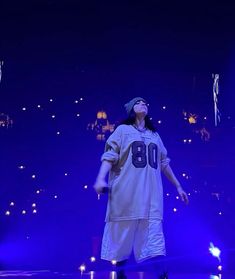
x=129, y=106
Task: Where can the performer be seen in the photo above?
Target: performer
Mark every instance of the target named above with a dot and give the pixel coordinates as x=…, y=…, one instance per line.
x=134, y=158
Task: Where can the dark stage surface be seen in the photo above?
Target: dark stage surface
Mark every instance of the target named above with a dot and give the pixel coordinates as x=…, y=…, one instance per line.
x=46, y=274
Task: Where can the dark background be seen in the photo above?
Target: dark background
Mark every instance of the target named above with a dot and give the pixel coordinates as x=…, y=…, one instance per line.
x=108, y=52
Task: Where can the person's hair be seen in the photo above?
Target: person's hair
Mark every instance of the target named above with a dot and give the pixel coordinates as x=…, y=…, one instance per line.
x=130, y=120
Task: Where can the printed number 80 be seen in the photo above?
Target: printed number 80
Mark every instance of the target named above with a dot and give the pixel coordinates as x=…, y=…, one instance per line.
x=139, y=156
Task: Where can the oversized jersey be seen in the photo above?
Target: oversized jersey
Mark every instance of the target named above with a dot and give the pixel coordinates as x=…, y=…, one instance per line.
x=135, y=177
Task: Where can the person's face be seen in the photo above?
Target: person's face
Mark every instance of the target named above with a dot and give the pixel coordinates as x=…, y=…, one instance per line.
x=141, y=108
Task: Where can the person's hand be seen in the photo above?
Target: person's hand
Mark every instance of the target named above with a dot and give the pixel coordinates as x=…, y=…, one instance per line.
x=99, y=185
x=183, y=195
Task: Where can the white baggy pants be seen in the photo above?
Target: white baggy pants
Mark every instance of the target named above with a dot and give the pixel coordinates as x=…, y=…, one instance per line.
x=144, y=236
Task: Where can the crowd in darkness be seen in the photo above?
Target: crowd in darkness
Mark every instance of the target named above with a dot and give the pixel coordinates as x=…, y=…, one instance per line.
x=60, y=65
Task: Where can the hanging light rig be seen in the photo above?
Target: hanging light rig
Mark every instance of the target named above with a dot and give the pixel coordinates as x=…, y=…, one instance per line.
x=215, y=98
x=1, y=64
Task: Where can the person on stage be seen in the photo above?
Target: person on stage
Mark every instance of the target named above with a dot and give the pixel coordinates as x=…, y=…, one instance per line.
x=134, y=158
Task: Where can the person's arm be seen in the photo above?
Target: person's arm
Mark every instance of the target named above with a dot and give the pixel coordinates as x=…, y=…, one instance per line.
x=168, y=172
x=101, y=183
x=109, y=158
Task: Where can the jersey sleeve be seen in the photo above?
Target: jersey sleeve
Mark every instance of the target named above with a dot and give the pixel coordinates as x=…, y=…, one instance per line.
x=164, y=159
x=112, y=147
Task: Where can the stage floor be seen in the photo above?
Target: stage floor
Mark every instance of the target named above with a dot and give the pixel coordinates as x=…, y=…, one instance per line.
x=47, y=274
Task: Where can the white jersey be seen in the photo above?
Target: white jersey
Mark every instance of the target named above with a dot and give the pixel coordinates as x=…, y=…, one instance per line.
x=135, y=177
